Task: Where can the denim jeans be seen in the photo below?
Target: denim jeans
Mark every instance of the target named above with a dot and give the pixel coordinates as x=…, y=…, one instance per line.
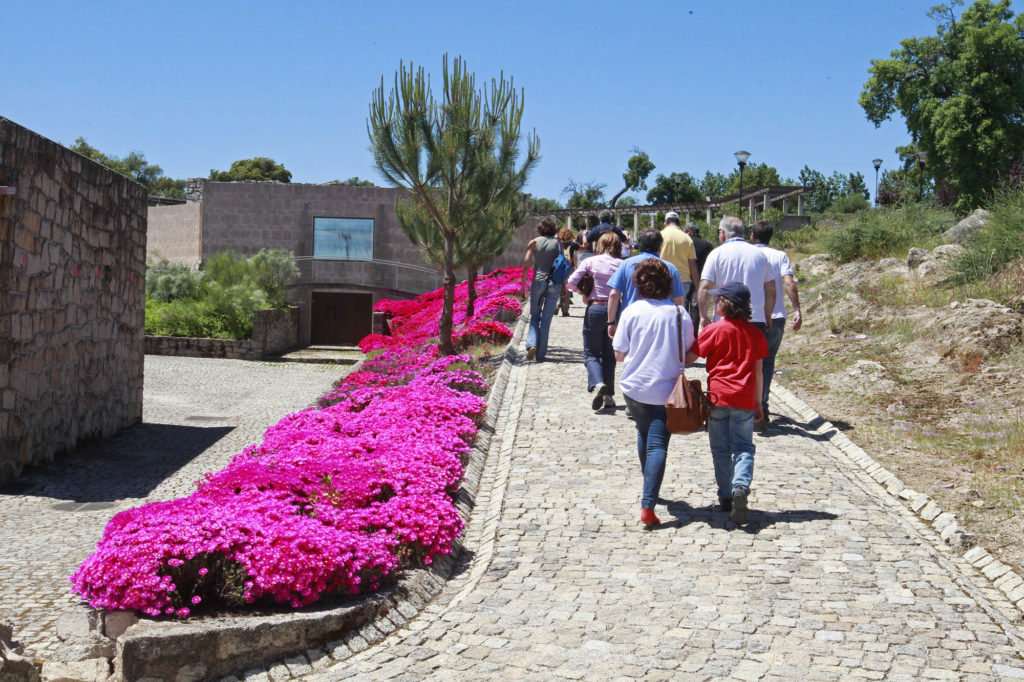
x=731, y=432
x=598, y=355
x=774, y=336
x=543, y=300
x=652, y=446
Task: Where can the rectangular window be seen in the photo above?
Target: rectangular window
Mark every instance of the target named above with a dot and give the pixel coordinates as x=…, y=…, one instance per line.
x=343, y=238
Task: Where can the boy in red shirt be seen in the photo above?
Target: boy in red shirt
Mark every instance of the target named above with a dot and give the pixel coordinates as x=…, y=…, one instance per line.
x=735, y=350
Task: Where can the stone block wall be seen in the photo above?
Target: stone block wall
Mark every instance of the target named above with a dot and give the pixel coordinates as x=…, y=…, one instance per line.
x=174, y=233
x=273, y=332
x=72, y=300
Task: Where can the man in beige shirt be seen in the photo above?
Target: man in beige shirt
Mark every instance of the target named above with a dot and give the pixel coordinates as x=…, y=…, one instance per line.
x=677, y=249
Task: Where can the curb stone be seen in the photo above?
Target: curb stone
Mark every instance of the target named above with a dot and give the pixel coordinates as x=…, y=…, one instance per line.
x=1001, y=576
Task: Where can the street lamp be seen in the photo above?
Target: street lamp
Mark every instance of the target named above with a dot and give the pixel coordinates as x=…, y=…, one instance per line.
x=741, y=159
x=922, y=159
x=877, y=163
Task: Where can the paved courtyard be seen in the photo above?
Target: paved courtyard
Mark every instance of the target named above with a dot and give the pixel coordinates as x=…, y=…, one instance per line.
x=197, y=414
x=832, y=578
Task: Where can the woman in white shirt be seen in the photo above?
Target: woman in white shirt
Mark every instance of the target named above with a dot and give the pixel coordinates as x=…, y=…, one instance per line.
x=647, y=344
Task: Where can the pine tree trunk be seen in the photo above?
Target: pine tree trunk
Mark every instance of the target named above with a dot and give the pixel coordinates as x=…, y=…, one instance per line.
x=447, y=309
x=471, y=293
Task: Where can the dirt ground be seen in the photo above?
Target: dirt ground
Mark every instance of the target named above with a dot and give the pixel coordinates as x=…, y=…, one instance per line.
x=934, y=394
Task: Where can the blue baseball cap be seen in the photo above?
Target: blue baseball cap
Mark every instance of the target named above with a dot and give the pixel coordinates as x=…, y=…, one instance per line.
x=737, y=292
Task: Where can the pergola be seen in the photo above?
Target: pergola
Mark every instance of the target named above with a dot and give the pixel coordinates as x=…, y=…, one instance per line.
x=757, y=198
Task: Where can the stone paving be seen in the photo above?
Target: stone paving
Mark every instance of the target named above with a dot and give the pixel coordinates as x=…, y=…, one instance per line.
x=832, y=578
x=197, y=414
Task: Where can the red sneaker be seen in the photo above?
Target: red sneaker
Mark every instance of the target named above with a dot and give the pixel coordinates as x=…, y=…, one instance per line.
x=648, y=518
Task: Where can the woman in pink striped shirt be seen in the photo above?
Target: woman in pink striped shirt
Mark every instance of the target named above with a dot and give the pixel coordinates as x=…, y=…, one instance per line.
x=598, y=356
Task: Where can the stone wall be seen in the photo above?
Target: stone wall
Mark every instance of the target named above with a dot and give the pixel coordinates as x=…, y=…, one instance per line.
x=273, y=332
x=72, y=300
x=175, y=234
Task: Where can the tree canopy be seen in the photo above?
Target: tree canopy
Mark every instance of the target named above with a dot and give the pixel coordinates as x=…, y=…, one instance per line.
x=136, y=167
x=259, y=168
x=638, y=167
x=675, y=188
x=458, y=157
x=961, y=93
x=354, y=181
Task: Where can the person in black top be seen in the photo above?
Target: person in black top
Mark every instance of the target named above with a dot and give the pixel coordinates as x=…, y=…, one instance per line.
x=703, y=248
x=605, y=217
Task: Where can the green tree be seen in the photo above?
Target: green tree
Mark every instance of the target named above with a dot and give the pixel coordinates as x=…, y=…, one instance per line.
x=259, y=168
x=961, y=93
x=714, y=185
x=134, y=166
x=638, y=167
x=545, y=204
x=354, y=181
x=676, y=188
x=459, y=157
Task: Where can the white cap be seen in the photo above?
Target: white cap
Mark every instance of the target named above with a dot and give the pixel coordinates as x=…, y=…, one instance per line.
x=671, y=214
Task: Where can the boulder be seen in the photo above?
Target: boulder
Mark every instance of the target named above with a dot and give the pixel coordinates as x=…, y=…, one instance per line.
x=962, y=231
x=817, y=265
x=91, y=670
x=917, y=256
x=13, y=666
x=859, y=273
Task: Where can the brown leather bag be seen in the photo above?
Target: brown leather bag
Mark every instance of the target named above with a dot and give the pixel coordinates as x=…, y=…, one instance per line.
x=687, y=408
x=586, y=284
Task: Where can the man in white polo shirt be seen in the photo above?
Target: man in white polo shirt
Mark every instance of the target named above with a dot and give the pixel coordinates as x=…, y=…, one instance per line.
x=735, y=260
x=760, y=235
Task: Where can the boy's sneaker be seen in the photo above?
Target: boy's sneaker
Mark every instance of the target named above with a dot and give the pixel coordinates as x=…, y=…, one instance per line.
x=598, y=402
x=725, y=504
x=531, y=353
x=609, y=401
x=739, y=505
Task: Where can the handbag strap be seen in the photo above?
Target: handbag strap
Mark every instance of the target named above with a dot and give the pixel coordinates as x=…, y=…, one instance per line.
x=679, y=331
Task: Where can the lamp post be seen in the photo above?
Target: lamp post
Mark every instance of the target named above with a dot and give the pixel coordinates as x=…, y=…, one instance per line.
x=922, y=159
x=741, y=159
x=877, y=163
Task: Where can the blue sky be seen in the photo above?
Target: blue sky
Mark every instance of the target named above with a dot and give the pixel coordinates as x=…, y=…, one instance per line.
x=197, y=85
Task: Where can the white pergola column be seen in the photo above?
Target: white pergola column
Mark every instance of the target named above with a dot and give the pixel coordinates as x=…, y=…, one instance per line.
x=569, y=221
x=652, y=221
x=785, y=206
x=767, y=203
x=799, y=204
x=636, y=223
x=709, y=210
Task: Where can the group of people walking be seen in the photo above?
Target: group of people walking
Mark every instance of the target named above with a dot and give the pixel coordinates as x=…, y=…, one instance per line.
x=645, y=312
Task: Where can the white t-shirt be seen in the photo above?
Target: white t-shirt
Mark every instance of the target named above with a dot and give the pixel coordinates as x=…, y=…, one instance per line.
x=739, y=261
x=780, y=264
x=648, y=333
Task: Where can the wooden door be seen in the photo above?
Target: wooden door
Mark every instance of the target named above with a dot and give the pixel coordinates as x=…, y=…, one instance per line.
x=340, y=319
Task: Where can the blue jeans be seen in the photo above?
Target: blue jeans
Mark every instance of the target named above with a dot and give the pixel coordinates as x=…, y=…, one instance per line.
x=652, y=446
x=774, y=336
x=598, y=355
x=543, y=300
x=731, y=433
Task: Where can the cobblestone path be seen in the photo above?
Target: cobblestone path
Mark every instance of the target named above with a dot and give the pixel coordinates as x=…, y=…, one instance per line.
x=197, y=414
x=832, y=578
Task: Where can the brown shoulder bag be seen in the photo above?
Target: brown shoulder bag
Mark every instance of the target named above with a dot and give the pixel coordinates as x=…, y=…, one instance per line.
x=687, y=408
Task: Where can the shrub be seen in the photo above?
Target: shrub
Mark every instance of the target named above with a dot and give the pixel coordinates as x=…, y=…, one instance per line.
x=998, y=243
x=220, y=301
x=886, y=233
x=850, y=204
x=166, y=281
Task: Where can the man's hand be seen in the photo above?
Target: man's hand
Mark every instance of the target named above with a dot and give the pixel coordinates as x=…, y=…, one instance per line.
x=758, y=413
x=522, y=290
x=611, y=330
x=797, y=321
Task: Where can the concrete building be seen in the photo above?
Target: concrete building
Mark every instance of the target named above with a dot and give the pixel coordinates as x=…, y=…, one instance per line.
x=347, y=243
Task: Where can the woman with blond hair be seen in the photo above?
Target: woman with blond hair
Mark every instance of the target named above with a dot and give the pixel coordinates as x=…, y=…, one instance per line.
x=598, y=356
x=568, y=248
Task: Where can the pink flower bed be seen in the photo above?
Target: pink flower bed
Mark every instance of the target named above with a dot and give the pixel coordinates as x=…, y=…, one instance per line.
x=335, y=498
